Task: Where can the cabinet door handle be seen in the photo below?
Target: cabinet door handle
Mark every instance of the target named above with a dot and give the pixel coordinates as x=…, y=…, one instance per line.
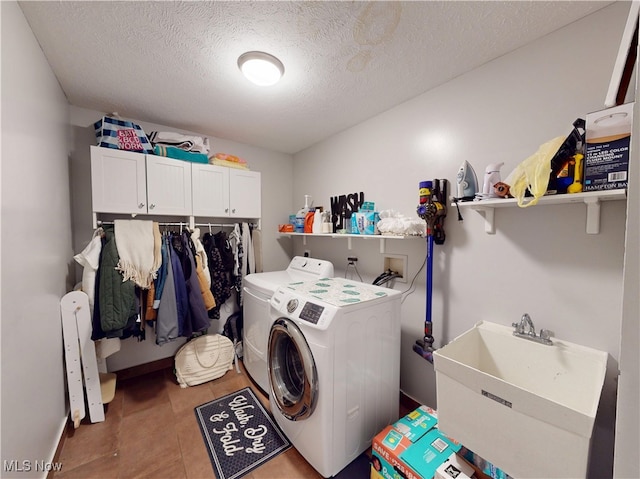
x=233, y=210
x=152, y=206
x=226, y=210
x=141, y=205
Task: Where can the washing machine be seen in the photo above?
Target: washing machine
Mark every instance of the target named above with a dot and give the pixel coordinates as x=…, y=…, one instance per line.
x=258, y=289
x=334, y=367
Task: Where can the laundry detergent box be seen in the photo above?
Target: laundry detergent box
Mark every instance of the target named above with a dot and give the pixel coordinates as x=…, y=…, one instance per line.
x=412, y=448
x=365, y=223
x=365, y=220
x=607, y=144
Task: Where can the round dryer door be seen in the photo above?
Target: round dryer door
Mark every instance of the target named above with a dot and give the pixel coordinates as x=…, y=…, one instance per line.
x=292, y=371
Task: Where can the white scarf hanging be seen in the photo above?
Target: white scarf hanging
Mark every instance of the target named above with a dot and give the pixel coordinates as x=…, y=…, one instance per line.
x=135, y=242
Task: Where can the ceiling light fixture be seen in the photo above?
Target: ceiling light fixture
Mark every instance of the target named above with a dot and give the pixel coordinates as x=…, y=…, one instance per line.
x=261, y=68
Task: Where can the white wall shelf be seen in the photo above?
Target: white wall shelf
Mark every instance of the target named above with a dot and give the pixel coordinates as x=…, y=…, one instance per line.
x=349, y=238
x=591, y=199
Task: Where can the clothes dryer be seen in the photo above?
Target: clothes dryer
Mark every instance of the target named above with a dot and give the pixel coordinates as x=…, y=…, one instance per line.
x=258, y=289
x=334, y=367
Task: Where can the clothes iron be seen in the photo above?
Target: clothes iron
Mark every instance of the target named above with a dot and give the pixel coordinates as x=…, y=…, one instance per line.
x=467, y=182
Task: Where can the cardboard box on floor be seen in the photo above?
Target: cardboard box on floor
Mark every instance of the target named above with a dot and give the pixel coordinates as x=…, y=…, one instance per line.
x=414, y=448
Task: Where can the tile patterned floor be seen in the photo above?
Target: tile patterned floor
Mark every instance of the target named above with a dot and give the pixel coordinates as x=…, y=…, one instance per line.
x=151, y=431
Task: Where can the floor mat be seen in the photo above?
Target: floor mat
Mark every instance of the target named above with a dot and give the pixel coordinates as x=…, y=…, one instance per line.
x=239, y=434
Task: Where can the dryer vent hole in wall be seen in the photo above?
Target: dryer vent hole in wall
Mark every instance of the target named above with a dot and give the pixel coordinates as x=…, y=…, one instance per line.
x=396, y=263
x=307, y=253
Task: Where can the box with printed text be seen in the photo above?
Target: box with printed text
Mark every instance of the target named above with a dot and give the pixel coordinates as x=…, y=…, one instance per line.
x=607, y=144
x=414, y=448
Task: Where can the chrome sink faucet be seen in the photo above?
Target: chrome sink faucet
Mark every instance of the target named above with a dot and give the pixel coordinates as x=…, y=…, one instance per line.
x=525, y=329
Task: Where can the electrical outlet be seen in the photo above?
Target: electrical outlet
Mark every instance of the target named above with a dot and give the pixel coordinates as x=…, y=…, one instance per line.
x=397, y=263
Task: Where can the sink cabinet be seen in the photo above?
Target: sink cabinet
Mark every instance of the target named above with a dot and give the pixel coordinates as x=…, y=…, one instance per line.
x=541, y=398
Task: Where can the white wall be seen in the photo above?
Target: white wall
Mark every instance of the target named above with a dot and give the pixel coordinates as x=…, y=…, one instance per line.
x=627, y=462
x=36, y=246
x=540, y=260
x=275, y=168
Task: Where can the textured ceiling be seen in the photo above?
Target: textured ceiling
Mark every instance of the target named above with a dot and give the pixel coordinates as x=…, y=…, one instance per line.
x=174, y=63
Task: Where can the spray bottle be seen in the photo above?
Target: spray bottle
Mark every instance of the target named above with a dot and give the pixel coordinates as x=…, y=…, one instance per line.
x=302, y=214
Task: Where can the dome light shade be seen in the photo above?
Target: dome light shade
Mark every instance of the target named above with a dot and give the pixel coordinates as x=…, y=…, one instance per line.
x=261, y=68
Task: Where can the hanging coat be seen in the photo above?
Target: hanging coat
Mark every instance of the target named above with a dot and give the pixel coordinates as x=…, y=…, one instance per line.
x=162, y=273
x=182, y=296
x=236, y=246
x=197, y=320
x=248, y=260
x=202, y=254
x=223, y=244
x=89, y=259
x=205, y=286
x=167, y=322
x=220, y=284
x=117, y=297
x=200, y=321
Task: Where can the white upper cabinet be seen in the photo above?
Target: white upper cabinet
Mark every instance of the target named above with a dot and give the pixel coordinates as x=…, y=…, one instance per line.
x=225, y=192
x=124, y=182
x=168, y=186
x=118, y=181
x=210, y=190
x=134, y=183
x=245, y=194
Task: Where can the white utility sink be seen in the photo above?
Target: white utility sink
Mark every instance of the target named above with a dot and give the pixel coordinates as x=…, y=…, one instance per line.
x=527, y=407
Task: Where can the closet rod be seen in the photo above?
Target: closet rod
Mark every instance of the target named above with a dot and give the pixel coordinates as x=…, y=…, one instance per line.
x=185, y=223
x=224, y=225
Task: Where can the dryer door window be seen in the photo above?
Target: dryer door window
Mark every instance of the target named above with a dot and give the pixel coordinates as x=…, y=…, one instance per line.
x=293, y=377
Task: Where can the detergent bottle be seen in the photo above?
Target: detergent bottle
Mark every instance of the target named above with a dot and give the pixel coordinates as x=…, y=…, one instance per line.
x=302, y=215
x=317, y=220
x=308, y=221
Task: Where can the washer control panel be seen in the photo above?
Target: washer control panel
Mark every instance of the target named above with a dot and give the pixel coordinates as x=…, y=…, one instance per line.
x=311, y=312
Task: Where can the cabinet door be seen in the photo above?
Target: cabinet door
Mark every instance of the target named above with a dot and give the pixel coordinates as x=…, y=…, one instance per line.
x=210, y=190
x=168, y=186
x=245, y=198
x=118, y=183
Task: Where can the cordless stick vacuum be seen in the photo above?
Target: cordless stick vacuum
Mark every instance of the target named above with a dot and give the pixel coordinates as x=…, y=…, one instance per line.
x=433, y=210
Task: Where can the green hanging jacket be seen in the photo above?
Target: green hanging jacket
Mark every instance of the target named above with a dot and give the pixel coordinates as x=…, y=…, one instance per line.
x=117, y=298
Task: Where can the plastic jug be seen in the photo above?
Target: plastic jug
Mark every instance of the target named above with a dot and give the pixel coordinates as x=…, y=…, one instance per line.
x=317, y=221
